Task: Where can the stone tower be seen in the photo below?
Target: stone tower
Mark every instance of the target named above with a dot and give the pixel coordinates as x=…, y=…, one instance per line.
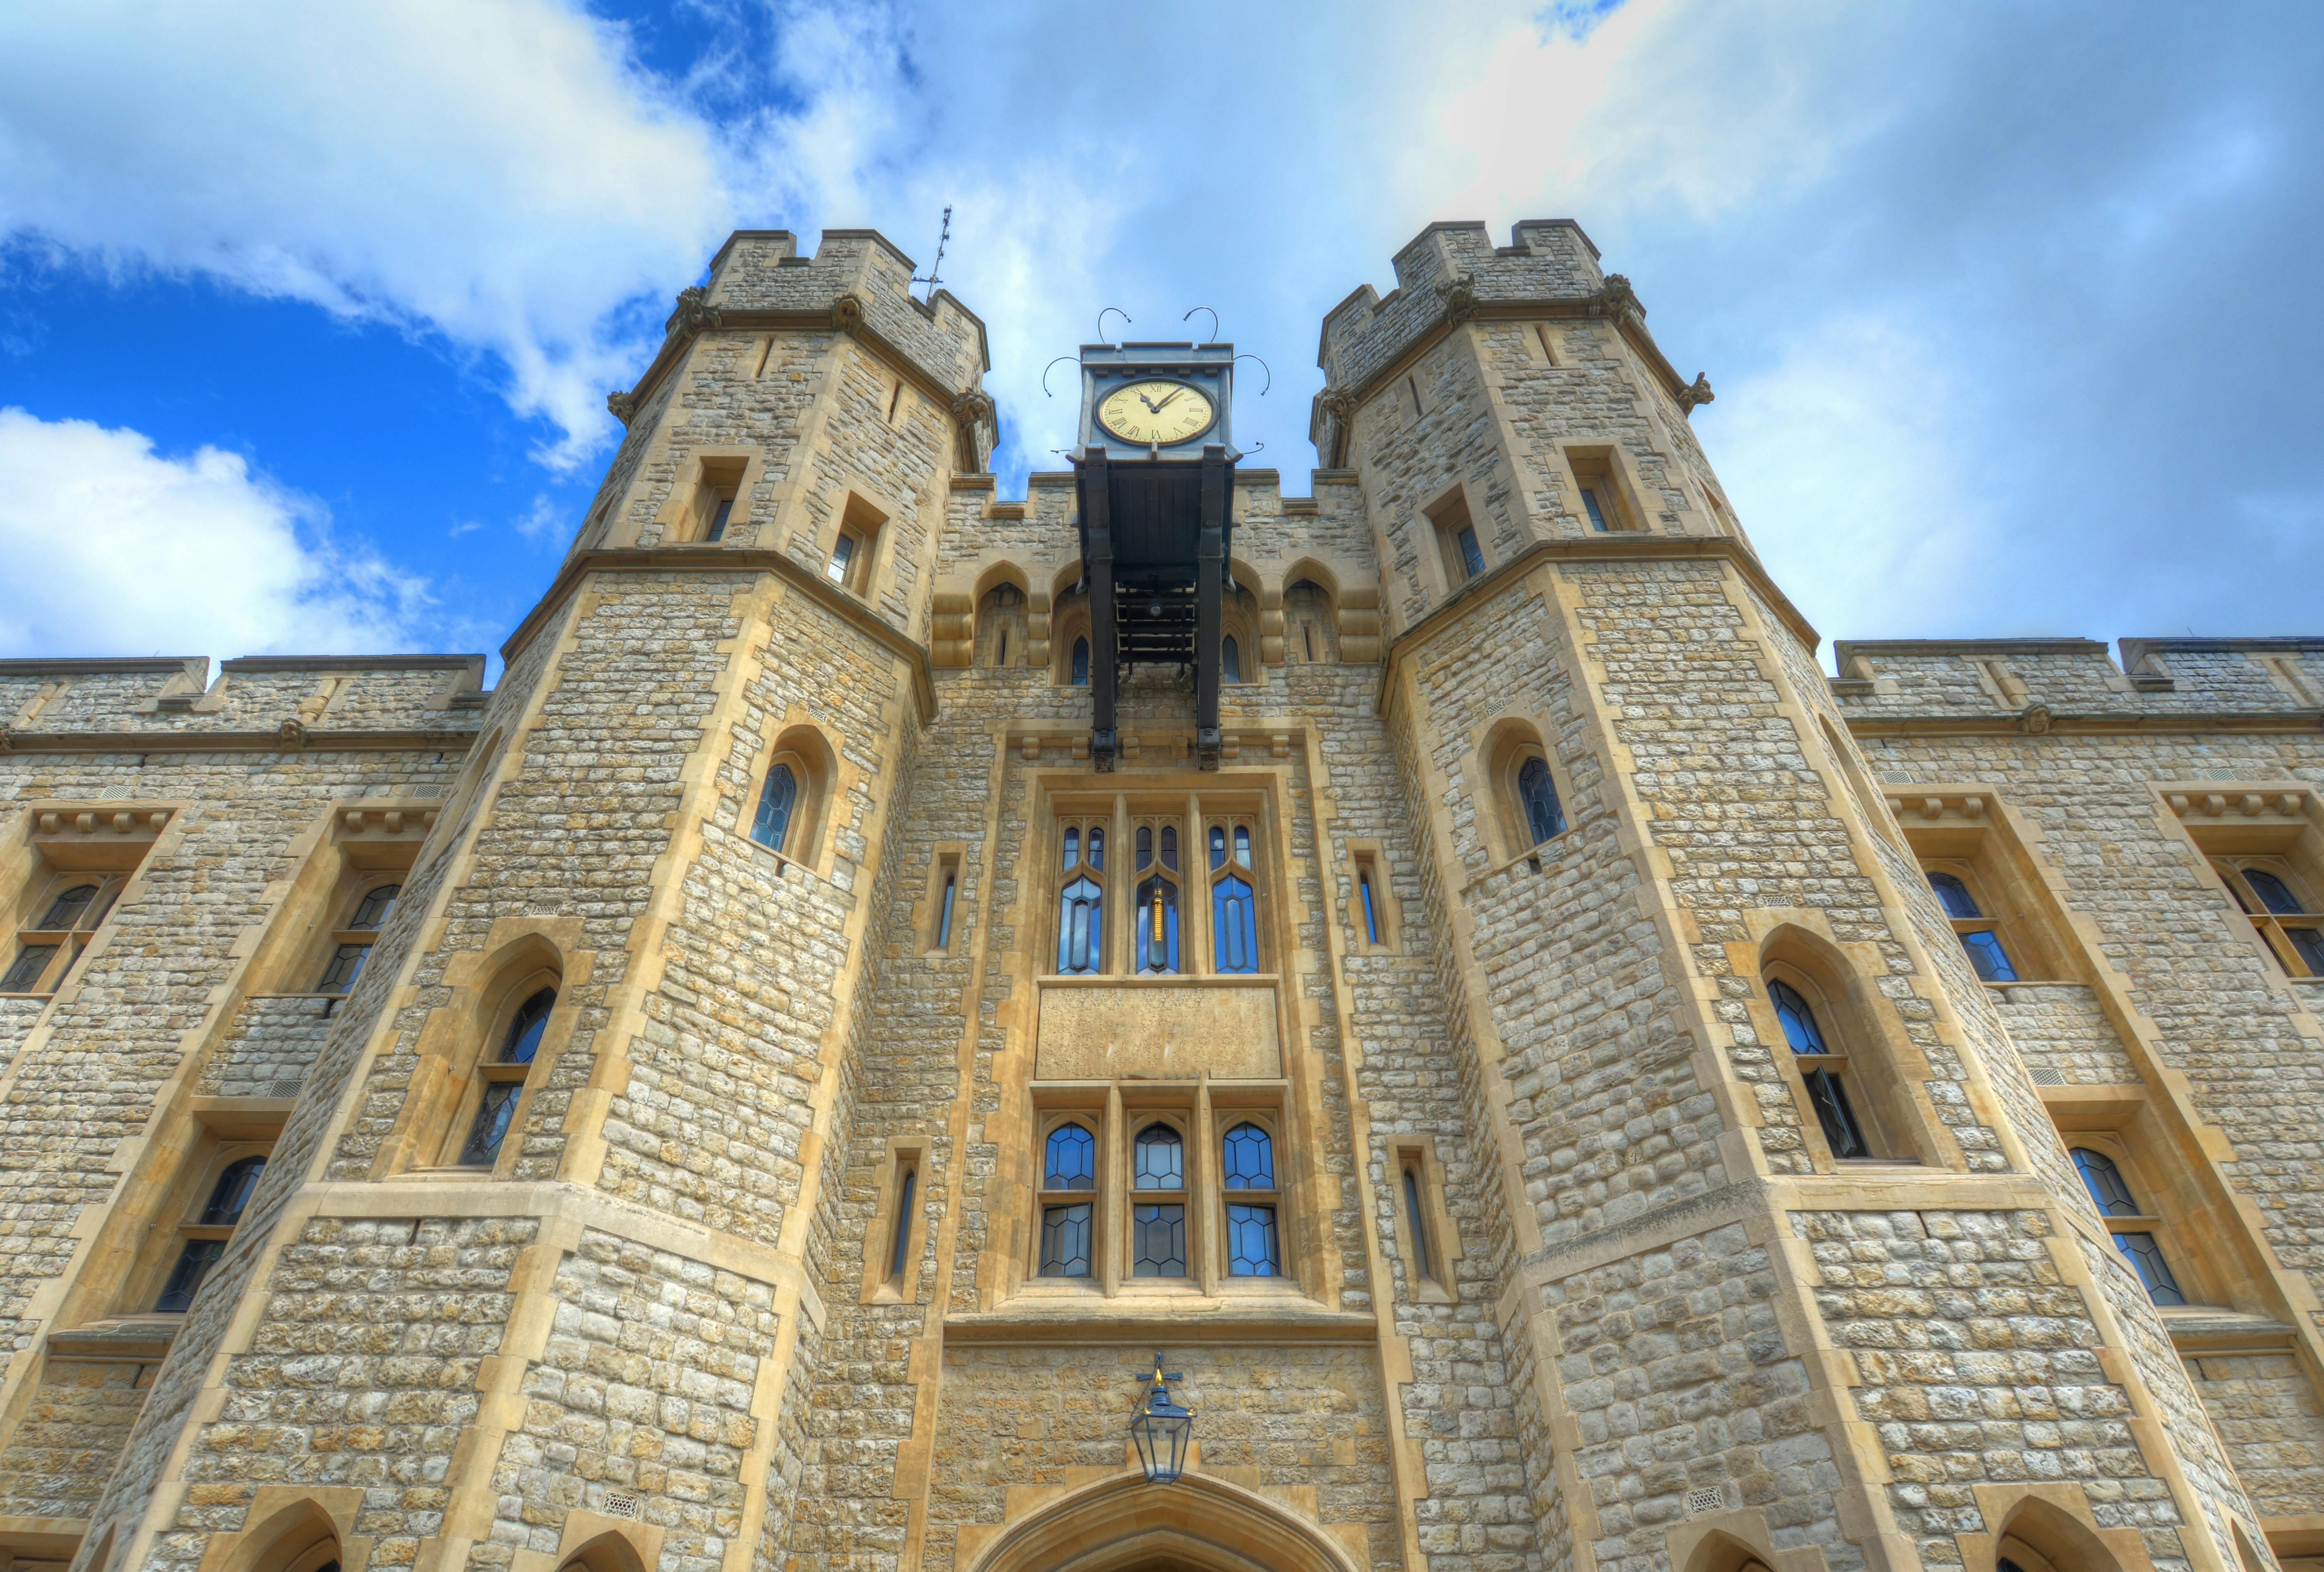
x=1568, y=1085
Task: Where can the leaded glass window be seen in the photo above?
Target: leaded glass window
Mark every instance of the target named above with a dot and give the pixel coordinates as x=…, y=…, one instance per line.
x=1537, y=795
x=503, y=1081
x=777, y=799
x=1249, y=1156
x=1159, y=1160
x=372, y=910
x=1157, y=899
x=1983, y=945
x=346, y=965
x=1158, y=1239
x=66, y=910
x=1827, y=1092
x=24, y=973
x=231, y=1192
x=2146, y=1256
x=1072, y=1160
x=1080, y=899
x=206, y=1233
x=2109, y=1191
x=1251, y=1250
x=2291, y=928
x=1065, y=1239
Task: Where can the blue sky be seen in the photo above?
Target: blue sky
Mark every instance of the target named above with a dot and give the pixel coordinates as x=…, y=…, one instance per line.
x=307, y=314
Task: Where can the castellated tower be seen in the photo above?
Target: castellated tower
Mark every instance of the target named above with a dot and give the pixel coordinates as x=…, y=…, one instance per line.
x=1560, y=1083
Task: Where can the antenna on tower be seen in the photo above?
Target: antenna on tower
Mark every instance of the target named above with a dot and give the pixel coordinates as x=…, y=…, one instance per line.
x=935, y=268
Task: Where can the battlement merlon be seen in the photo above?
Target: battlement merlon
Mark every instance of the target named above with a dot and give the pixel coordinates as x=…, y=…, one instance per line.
x=857, y=282
x=2043, y=682
x=1452, y=272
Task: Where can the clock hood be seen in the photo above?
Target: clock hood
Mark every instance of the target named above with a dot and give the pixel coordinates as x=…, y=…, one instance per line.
x=1106, y=368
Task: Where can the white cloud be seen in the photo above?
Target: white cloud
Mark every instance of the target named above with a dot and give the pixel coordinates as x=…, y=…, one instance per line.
x=495, y=171
x=138, y=554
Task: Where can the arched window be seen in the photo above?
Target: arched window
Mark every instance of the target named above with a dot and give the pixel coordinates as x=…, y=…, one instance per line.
x=1978, y=937
x=1234, y=903
x=66, y=910
x=1080, y=670
x=1157, y=1226
x=1230, y=660
x=1068, y=1215
x=771, y=826
x=1247, y=1163
x=1822, y=1071
x=1080, y=899
x=206, y=1235
x=1537, y=795
x=2110, y=1193
x=1157, y=899
x=372, y=910
x=353, y=943
x=503, y=1081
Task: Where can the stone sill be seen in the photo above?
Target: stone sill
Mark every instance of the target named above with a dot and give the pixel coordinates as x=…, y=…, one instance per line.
x=140, y=1340
x=1172, y=1318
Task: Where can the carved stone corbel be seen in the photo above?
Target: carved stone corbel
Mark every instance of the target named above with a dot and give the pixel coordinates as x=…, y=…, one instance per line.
x=1617, y=299
x=847, y=314
x=1460, y=298
x=292, y=733
x=694, y=312
x=8, y=739
x=1700, y=393
x=972, y=408
x=622, y=406
x=2035, y=719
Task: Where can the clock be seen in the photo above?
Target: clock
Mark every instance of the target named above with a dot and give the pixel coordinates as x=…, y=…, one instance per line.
x=1157, y=413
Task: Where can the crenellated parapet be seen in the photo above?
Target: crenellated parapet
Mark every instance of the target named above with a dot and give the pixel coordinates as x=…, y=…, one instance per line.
x=2036, y=685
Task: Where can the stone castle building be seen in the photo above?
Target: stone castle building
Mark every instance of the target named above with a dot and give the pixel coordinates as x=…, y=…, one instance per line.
x=1561, y=1083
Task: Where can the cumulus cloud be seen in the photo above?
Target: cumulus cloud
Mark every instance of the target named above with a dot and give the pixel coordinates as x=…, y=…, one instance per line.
x=496, y=171
x=139, y=553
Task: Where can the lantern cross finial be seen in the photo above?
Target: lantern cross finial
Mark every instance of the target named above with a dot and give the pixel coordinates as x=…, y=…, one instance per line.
x=1161, y=1428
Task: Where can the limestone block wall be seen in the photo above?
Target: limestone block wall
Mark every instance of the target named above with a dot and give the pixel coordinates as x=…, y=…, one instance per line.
x=2268, y=1417
x=63, y=1443
x=269, y=1048
x=1545, y=260
x=2063, y=1035
x=1881, y=679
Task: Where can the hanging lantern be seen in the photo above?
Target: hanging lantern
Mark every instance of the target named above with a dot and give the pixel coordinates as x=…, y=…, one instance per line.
x=1162, y=1429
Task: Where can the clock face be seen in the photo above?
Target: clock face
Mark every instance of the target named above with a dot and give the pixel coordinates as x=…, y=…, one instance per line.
x=1156, y=414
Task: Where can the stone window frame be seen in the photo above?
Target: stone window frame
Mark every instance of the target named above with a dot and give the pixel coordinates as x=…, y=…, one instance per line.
x=504, y=997
x=2112, y=1140
x=488, y=987
x=1370, y=857
x=1891, y=1112
x=40, y=891
x=1228, y=822
x=947, y=860
x=2267, y=924
x=815, y=768
x=356, y=884
x=713, y=473
x=1447, y=517
x=1069, y=620
x=365, y=843
x=1964, y=831
x=906, y=1157
x=179, y=1208
x=1997, y=915
x=1242, y=618
x=1429, y=1277
x=1190, y=810
x=1202, y=1111
x=1508, y=742
x=1606, y=468
x=997, y=619
x=866, y=522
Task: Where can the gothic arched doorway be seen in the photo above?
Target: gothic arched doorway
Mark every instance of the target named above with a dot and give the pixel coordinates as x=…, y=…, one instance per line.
x=1197, y=1523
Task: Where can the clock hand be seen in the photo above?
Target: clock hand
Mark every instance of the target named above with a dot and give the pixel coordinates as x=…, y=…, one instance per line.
x=1172, y=393
x=1152, y=408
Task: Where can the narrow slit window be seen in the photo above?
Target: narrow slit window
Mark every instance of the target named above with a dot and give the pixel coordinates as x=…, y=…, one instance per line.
x=943, y=910
x=1413, y=387
x=726, y=509
x=1230, y=659
x=843, y=559
x=1369, y=899
x=1597, y=511
x=893, y=400
x=1081, y=663
x=905, y=1185
x=1418, y=1219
